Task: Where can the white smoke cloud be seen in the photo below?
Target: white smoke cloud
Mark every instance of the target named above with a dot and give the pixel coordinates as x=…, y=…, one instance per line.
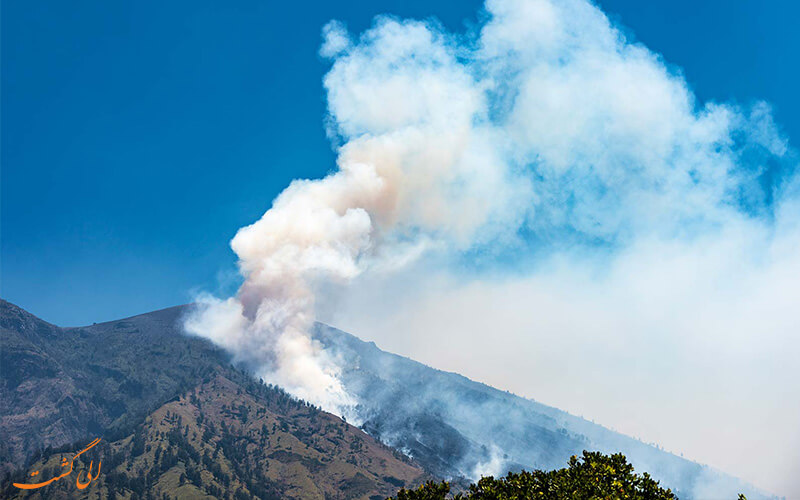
x=627, y=221
x=417, y=171
x=493, y=466
x=688, y=344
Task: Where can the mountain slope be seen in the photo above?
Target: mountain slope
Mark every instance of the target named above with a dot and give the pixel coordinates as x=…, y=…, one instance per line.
x=169, y=406
x=457, y=427
x=226, y=440
x=64, y=385
x=59, y=385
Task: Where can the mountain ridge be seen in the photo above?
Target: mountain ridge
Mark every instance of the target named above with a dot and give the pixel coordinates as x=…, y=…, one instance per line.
x=250, y=440
x=447, y=423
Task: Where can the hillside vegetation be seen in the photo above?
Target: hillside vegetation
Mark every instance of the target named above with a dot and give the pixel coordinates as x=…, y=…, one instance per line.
x=175, y=419
x=225, y=440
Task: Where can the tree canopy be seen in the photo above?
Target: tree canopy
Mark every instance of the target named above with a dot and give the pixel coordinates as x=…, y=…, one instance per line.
x=593, y=476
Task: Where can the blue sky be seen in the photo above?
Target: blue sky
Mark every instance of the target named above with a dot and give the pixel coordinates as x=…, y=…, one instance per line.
x=137, y=138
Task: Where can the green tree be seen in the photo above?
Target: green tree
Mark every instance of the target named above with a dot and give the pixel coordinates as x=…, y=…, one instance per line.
x=428, y=491
x=593, y=476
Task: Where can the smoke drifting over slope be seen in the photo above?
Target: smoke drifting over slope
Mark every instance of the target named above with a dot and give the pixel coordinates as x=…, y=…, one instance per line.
x=543, y=135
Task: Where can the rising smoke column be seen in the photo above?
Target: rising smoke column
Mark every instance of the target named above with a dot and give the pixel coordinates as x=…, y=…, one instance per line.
x=546, y=126
x=418, y=171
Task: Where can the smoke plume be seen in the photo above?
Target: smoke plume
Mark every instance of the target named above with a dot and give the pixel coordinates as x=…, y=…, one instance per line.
x=544, y=136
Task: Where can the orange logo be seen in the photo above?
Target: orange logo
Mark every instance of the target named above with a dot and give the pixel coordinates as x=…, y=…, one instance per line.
x=64, y=463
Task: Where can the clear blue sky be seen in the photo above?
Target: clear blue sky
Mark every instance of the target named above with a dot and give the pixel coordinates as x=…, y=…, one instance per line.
x=138, y=136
